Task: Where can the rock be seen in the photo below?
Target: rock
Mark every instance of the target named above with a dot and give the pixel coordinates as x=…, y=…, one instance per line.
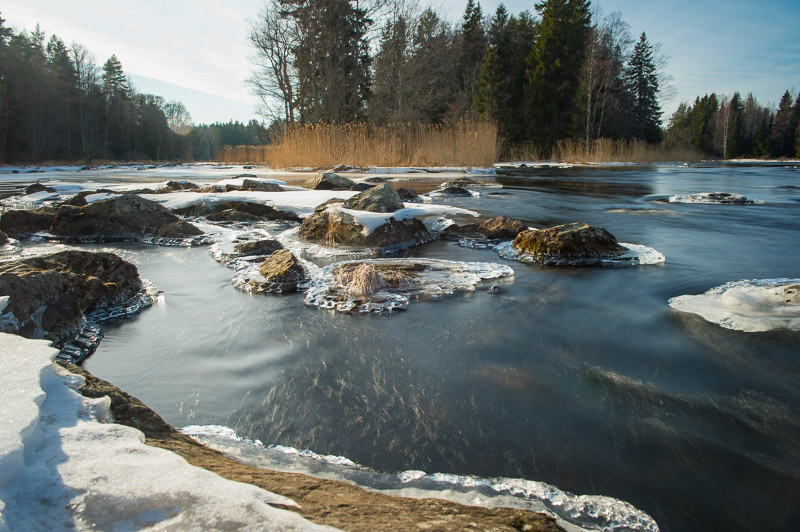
x=38, y=187
x=49, y=294
x=245, y=175
x=501, y=227
x=211, y=189
x=260, y=210
x=177, y=186
x=3, y=239
x=570, y=241
x=328, y=181
x=377, y=180
x=461, y=182
x=454, y=191
x=282, y=271
x=407, y=194
x=26, y=223
x=233, y=216
x=457, y=232
x=261, y=186
x=332, y=227
x=257, y=247
x=78, y=200
x=232, y=188
x=361, y=187
x=128, y=214
x=322, y=206
x=377, y=199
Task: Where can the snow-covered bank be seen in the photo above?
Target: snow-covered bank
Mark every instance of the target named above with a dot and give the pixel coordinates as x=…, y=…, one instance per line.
x=64, y=465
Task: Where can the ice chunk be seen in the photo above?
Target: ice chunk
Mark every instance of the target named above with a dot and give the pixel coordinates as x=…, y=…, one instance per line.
x=636, y=255
x=390, y=284
x=755, y=305
x=714, y=198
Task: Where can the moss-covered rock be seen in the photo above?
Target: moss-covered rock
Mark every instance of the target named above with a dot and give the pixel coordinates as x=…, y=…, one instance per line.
x=376, y=199
x=570, y=241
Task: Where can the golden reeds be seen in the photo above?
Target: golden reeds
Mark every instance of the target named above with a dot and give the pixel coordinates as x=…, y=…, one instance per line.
x=365, y=279
x=467, y=143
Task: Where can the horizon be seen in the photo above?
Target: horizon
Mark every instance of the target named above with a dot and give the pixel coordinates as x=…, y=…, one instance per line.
x=203, y=59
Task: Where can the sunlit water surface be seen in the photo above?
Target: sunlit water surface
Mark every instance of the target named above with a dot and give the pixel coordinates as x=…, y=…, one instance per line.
x=580, y=377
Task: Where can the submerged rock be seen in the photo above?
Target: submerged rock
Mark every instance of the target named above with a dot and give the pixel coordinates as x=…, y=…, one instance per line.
x=568, y=242
x=123, y=215
x=375, y=199
x=328, y=181
x=48, y=295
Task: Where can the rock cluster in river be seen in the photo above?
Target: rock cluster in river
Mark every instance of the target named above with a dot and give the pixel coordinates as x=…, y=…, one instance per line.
x=122, y=216
x=569, y=241
x=48, y=295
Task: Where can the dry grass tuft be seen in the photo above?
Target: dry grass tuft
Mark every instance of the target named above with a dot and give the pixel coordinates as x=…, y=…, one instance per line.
x=365, y=279
x=467, y=143
x=603, y=151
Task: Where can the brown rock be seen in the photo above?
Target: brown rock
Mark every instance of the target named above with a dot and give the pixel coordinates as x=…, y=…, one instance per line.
x=25, y=223
x=501, y=227
x=381, y=198
x=258, y=247
x=328, y=181
x=261, y=186
x=407, y=194
x=282, y=271
x=332, y=226
x=570, y=241
x=255, y=209
x=49, y=293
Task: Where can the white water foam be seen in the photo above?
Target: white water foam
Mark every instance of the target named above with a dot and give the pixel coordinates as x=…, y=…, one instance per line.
x=714, y=198
x=755, y=305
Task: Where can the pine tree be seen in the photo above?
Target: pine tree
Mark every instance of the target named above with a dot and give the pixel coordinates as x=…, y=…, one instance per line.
x=641, y=82
x=782, y=138
x=704, y=108
x=492, y=99
x=553, y=69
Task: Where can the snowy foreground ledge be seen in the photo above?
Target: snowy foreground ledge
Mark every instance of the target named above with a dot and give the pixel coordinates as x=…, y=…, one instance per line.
x=63, y=465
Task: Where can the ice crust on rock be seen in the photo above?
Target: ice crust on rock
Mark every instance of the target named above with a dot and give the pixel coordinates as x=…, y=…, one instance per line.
x=714, y=198
x=636, y=255
x=429, y=278
x=584, y=512
x=754, y=305
x=63, y=465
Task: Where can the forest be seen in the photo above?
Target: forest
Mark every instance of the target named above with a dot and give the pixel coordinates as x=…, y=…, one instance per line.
x=563, y=74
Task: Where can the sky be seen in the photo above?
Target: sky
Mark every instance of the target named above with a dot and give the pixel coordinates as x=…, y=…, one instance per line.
x=197, y=52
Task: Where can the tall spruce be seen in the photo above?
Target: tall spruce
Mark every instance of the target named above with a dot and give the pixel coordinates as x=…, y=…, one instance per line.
x=783, y=129
x=473, y=47
x=641, y=82
x=554, y=67
x=492, y=99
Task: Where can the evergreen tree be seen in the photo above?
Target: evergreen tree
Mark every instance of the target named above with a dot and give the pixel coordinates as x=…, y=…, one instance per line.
x=733, y=137
x=641, y=83
x=782, y=138
x=492, y=99
x=553, y=68
x=473, y=47
x=704, y=108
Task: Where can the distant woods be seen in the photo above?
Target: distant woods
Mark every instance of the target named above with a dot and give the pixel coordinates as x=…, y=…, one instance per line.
x=561, y=79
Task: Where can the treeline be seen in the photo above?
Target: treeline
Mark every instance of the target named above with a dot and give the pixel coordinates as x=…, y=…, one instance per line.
x=204, y=140
x=57, y=104
x=731, y=127
x=558, y=75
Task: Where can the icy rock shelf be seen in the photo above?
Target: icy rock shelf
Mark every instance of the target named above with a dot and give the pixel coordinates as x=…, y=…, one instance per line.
x=750, y=305
x=589, y=512
x=714, y=198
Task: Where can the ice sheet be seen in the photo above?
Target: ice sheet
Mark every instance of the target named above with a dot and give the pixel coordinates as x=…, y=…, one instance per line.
x=64, y=466
x=754, y=305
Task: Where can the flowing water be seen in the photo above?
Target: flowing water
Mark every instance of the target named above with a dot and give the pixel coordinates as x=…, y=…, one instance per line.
x=579, y=377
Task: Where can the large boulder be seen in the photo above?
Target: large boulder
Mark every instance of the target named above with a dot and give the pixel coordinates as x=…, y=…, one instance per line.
x=376, y=199
x=47, y=295
x=570, y=241
x=26, y=223
x=328, y=181
x=333, y=226
x=123, y=215
x=281, y=271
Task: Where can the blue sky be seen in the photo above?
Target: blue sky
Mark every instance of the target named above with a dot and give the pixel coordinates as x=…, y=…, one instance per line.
x=196, y=51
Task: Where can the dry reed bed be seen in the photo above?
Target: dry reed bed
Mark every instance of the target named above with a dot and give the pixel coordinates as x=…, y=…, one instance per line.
x=467, y=143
